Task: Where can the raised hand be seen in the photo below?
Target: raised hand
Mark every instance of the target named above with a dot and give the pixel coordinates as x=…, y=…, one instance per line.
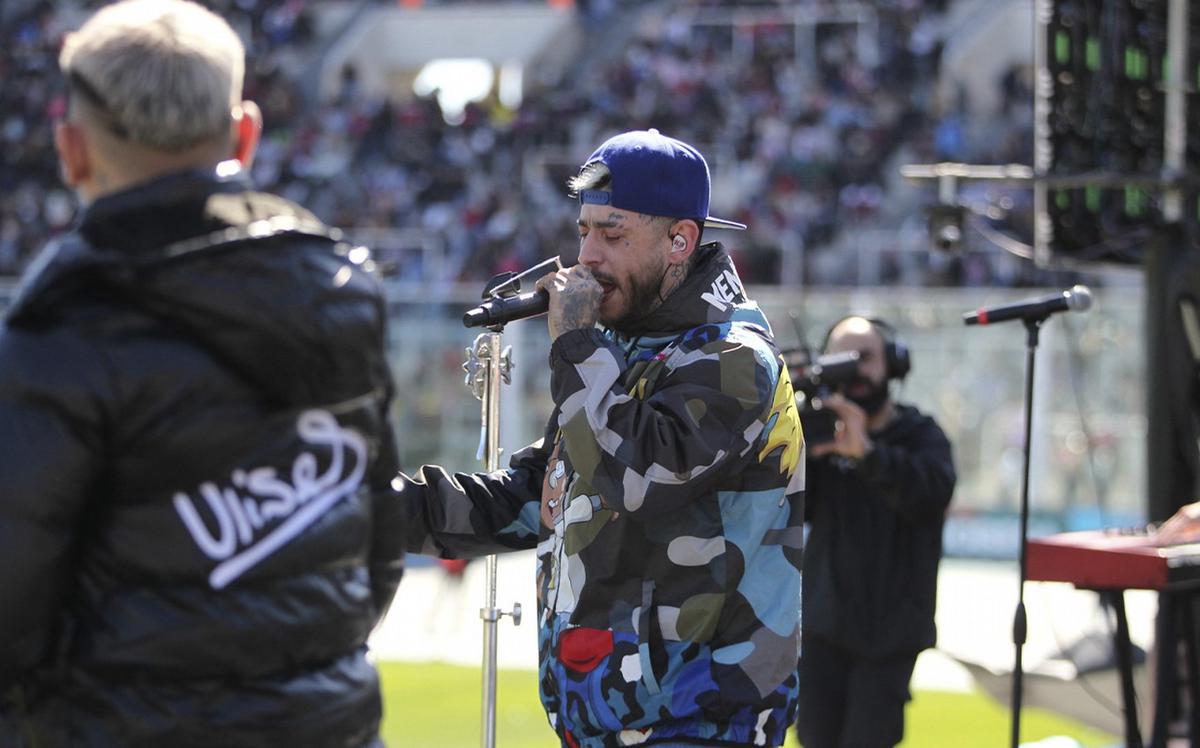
x=1182, y=527
x=850, y=437
x=575, y=298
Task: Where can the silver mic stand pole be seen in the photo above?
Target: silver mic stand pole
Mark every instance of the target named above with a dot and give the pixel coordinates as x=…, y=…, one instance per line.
x=487, y=366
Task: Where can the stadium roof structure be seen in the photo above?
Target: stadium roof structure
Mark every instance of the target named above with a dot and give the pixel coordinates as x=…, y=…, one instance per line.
x=388, y=45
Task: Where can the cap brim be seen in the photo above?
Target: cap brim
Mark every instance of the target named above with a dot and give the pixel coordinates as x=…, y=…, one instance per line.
x=721, y=223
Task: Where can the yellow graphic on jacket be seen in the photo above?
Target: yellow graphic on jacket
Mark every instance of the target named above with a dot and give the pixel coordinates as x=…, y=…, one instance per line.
x=784, y=427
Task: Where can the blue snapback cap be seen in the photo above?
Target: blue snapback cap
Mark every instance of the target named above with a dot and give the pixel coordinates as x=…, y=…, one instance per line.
x=655, y=175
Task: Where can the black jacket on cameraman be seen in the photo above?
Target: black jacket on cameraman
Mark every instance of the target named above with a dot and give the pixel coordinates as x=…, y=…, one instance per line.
x=871, y=559
x=193, y=408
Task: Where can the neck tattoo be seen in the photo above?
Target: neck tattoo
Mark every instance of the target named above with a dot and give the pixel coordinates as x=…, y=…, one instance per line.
x=673, y=278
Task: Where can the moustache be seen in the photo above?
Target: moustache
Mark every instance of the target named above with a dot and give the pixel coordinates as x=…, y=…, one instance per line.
x=604, y=278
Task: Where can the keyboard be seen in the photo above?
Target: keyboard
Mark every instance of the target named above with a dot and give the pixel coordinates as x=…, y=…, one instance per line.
x=1112, y=559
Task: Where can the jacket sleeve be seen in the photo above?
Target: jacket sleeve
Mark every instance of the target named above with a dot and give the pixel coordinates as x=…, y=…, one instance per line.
x=386, y=562
x=465, y=515
x=915, y=479
x=647, y=457
x=50, y=429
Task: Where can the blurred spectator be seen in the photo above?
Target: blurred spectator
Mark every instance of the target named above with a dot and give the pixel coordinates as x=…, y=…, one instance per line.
x=808, y=134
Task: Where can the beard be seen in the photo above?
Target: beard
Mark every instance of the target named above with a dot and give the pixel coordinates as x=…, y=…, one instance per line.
x=641, y=293
x=872, y=398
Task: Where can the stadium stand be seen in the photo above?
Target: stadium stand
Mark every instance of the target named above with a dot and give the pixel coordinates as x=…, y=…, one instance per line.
x=807, y=108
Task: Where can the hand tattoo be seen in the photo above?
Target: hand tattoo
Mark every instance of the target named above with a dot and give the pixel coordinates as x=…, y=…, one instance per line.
x=579, y=310
x=579, y=304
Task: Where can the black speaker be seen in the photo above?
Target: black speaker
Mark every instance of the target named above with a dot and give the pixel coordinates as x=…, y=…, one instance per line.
x=1103, y=111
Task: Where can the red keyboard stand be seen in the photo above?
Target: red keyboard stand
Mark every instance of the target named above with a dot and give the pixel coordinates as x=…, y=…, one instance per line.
x=1110, y=562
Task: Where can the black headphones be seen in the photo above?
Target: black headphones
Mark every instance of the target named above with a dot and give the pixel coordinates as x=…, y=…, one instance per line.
x=895, y=352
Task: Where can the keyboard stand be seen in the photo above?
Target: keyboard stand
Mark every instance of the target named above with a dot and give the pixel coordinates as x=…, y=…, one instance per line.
x=1175, y=644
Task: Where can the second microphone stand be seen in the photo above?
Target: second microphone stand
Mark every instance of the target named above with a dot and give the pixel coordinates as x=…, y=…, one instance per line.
x=1032, y=327
x=1020, y=623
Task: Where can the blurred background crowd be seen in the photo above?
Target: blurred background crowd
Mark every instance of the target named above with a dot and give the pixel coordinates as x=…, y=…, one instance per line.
x=805, y=118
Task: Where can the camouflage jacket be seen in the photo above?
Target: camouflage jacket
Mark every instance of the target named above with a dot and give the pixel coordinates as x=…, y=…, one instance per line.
x=666, y=505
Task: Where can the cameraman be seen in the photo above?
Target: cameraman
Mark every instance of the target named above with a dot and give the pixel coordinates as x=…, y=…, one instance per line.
x=877, y=495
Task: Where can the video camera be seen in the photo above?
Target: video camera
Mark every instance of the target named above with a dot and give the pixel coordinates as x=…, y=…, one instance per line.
x=815, y=380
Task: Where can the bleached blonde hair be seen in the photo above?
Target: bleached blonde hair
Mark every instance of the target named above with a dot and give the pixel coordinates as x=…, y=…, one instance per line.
x=165, y=74
x=593, y=176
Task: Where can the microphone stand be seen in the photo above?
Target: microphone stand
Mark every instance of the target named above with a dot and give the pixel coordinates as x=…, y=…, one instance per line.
x=488, y=365
x=1132, y=735
x=1032, y=327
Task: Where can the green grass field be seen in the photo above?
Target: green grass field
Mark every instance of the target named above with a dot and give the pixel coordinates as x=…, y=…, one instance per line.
x=438, y=706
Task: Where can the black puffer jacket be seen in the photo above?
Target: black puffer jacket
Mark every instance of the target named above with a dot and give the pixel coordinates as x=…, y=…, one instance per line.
x=193, y=540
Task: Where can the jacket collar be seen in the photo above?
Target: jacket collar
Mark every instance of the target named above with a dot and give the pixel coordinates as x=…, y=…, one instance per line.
x=132, y=218
x=711, y=293
x=168, y=188
x=120, y=230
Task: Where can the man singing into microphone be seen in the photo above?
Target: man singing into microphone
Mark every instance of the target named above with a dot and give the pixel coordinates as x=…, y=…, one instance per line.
x=665, y=499
x=877, y=498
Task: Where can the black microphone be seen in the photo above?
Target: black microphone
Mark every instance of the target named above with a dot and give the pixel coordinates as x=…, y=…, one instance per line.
x=1076, y=299
x=507, y=309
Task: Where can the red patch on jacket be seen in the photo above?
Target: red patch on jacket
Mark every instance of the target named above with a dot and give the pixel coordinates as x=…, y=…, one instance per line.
x=581, y=650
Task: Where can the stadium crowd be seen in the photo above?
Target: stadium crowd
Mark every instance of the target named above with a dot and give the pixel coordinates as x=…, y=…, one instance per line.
x=806, y=139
